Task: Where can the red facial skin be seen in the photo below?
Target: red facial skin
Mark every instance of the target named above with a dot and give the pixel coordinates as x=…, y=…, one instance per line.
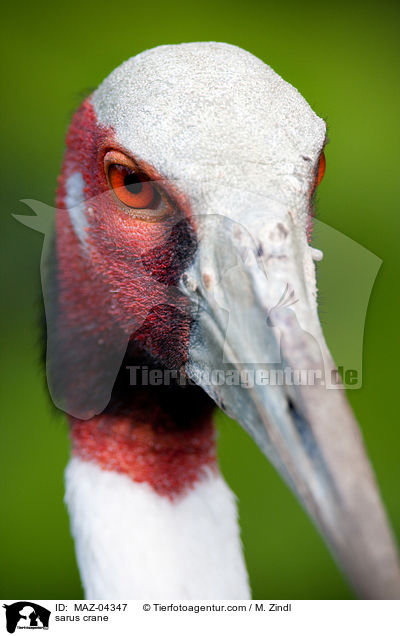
x=121, y=287
x=319, y=175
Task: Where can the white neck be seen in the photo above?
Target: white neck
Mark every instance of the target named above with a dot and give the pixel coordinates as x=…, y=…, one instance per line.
x=132, y=543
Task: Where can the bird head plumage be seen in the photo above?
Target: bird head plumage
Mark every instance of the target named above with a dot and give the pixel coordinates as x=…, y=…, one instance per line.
x=182, y=239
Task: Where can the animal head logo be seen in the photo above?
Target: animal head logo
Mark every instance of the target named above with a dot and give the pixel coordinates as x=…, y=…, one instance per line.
x=26, y=615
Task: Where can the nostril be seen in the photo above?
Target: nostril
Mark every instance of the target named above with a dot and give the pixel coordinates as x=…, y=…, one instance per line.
x=297, y=418
x=291, y=407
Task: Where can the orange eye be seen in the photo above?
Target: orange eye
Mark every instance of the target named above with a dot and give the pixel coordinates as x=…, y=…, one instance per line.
x=321, y=168
x=132, y=190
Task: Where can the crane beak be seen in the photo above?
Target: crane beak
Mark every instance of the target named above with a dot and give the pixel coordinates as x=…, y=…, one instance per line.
x=270, y=370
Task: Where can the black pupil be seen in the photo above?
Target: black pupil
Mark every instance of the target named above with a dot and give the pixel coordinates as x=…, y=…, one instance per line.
x=132, y=183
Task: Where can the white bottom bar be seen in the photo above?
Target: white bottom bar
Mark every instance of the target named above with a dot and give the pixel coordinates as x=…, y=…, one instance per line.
x=279, y=618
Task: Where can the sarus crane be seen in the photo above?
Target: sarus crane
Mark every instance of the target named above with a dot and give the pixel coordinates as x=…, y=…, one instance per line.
x=182, y=248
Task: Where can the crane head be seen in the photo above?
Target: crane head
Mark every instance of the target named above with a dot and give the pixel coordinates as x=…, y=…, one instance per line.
x=185, y=212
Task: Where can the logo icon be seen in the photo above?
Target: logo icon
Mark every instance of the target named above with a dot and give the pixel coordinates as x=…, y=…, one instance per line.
x=26, y=615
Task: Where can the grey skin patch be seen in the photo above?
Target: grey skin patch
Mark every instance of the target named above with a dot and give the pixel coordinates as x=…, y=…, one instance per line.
x=75, y=203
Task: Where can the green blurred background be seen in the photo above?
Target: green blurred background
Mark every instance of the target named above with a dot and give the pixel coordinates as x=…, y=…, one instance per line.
x=343, y=57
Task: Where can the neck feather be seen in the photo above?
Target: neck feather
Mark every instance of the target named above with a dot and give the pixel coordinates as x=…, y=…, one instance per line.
x=151, y=515
x=133, y=543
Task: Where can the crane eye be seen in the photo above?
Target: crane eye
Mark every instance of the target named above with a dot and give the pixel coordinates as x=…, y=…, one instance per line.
x=321, y=168
x=132, y=189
